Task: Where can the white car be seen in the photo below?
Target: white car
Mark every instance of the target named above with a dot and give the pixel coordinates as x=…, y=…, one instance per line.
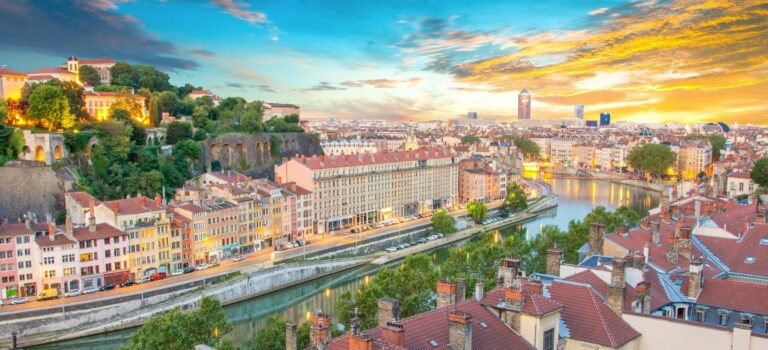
x=145, y=279
x=201, y=267
x=177, y=273
x=72, y=293
x=90, y=290
x=17, y=301
x=238, y=258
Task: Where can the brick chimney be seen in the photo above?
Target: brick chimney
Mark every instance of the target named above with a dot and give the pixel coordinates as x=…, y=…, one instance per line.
x=760, y=217
x=51, y=228
x=159, y=200
x=553, y=261
x=672, y=250
x=684, y=242
x=643, y=297
x=616, y=289
x=479, y=291
x=446, y=294
x=697, y=208
x=461, y=290
x=460, y=330
x=319, y=329
x=92, y=210
x=359, y=341
x=393, y=333
x=142, y=200
x=389, y=310
x=622, y=231
x=696, y=278
x=656, y=233
x=675, y=212
x=533, y=286
x=115, y=208
x=508, y=272
x=68, y=228
x=596, y=236
x=290, y=336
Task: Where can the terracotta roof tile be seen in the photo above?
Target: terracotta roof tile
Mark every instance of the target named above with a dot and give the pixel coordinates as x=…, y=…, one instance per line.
x=102, y=231
x=735, y=295
x=15, y=229
x=347, y=160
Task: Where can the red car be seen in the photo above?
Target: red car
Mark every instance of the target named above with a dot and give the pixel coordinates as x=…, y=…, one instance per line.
x=158, y=276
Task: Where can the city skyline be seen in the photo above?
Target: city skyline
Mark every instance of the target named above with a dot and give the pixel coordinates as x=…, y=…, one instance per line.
x=651, y=61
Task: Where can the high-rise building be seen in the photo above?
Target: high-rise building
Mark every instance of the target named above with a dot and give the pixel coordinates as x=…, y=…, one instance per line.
x=472, y=115
x=578, y=111
x=605, y=119
x=524, y=105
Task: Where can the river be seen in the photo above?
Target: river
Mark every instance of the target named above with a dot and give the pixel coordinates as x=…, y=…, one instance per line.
x=577, y=197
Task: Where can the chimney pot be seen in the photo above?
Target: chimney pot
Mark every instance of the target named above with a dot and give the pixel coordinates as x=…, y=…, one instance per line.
x=479, y=291
x=460, y=330
x=393, y=333
x=446, y=294
x=389, y=310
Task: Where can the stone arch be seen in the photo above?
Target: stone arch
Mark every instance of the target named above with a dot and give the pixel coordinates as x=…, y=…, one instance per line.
x=40, y=154
x=226, y=155
x=259, y=153
x=241, y=153
x=294, y=145
x=215, y=152
x=26, y=153
x=58, y=152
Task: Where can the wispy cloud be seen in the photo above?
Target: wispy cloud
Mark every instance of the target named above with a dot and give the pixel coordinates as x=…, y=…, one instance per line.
x=246, y=86
x=599, y=11
x=202, y=53
x=241, y=10
x=323, y=86
x=382, y=83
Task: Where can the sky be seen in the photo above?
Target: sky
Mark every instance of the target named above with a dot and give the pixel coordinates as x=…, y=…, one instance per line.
x=646, y=61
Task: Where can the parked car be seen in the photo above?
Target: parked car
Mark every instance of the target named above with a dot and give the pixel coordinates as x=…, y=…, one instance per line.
x=20, y=300
x=215, y=263
x=391, y=249
x=145, y=279
x=238, y=258
x=177, y=273
x=422, y=240
x=127, y=283
x=90, y=290
x=158, y=276
x=106, y=287
x=50, y=293
x=201, y=267
x=72, y=293
x=189, y=269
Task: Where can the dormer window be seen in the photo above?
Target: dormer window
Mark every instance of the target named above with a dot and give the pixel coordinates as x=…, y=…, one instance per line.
x=764, y=241
x=750, y=260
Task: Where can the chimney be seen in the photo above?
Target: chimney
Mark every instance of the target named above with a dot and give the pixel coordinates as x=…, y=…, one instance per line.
x=533, y=286
x=616, y=289
x=51, y=227
x=393, y=333
x=646, y=253
x=508, y=271
x=596, y=235
x=461, y=290
x=359, y=341
x=68, y=229
x=319, y=329
x=656, y=233
x=622, y=231
x=553, y=261
x=479, y=291
x=664, y=200
x=116, y=207
x=159, y=200
x=643, y=297
x=142, y=200
x=760, y=217
x=697, y=208
x=675, y=212
x=446, y=294
x=92, y=210
x=460, y=330
x=696, y=278
x=290, y=336
x=672, y=250
x=389, y=311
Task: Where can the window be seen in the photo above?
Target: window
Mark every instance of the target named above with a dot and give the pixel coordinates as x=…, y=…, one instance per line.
x=48, y=260
x=746, y=319
x=680, y=313
x=700, y=315
x=549, y=339
x=722, y=319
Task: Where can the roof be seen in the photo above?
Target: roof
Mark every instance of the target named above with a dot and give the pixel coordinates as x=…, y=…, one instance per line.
x=15, y=229
x=597, y=283
x=50, y=70
x=229, y=176
x=7, y=71
x=740, y=175
x=433, y=326
x=734, y=295
x=135, y=205
x=104, y=60
x=588, y=318
x=284, y=105
x=348, y=160
x=82, y=198
x=94, y=93
x=102, y=231
x=533, y=304
x=735, y=253
x=58, y=239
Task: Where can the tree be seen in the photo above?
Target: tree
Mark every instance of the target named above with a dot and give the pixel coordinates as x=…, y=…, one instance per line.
x=187, y=150
x=274, y=145
x=123, y=74
x=176, y=330
x=3, y=111
x=139, y=133
x=251, y=118
x=151, y=78
x=90, y=76
x=652, y=158
x=442, y=222
x=411, y=283
x=48, y=103
x=178, y=131
x=759, y=173
x=272, y=335
x=168, y=102
x=292, y=118
x=515, y=200
x=470, y=140
x=11, y=143
x=200, y=117
x=529, y=148
x=477, y=210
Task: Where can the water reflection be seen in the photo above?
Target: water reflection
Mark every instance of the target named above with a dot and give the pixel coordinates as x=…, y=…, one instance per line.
x=577, y=197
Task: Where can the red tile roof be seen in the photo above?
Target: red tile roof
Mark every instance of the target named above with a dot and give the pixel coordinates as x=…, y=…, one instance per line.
x=734, y=252
x=534, y=304
x=733, y=220
x=50, y=70
x=58, y=239
x=15, y=229
x=42, y=77
x=96, y=61
x=735, y=295
x=347, y=160
x=102, y=231
x=589, y=277
x=83, y=198
x=7, y=71
x=433, y=326
x=130, y=206
x=740, y=175
x=588, y=318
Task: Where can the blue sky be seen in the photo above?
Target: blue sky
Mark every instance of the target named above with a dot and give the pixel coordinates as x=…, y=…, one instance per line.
x=402, y=59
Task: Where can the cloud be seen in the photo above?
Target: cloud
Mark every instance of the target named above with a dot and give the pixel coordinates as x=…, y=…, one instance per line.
x=85, y=29
x=599, y=11
x=323, y=86
x=382, y=83
x=202, y=53
x=245, y=86
x=240, y=10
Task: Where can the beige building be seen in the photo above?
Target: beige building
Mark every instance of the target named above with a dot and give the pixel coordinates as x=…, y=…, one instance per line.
x=693, y=157
x=351, y=190
x=272, y=109
x=739, y=183
x=99, y=105
x=11, y=83
x=195, y=94
x=101, y=65
x=561, y=149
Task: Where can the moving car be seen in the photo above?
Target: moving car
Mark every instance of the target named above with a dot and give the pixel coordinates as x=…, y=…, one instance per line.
x=51, y=293
x=20, y=300
x=238, y=258
x=107, y=287
x=90, y=290
x=72, y=293
x=127, y=283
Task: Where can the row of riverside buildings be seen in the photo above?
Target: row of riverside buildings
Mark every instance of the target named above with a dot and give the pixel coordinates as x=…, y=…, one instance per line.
x=693, y=274
x=222, y=214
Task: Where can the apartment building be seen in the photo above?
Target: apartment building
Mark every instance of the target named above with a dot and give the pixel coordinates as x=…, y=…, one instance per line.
x=303, y=220
x=693, y=157
x=739, y=183
x=583, y=156
x=350, y=190
x=560, y=149
x=339, y=147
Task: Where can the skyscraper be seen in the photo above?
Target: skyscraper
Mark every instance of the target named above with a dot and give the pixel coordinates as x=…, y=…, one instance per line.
x=578, y=111
x=524, y=105
x=605, y=119
x=472, y=115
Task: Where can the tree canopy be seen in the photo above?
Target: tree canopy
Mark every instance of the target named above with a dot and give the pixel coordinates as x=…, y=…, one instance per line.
x=759, y=173
x=477, y=210
x=652, y=158
x=443, y=223
x=272, y=335
x=47, y=103
x=90, y=76
x=178, y=131
x=529, y=148
x=515, y=199
x=470, y=140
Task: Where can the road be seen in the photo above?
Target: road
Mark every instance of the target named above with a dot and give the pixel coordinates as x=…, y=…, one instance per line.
x=252, y=261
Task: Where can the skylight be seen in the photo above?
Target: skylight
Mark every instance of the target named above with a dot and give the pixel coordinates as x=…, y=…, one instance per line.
x=433, y=343
x=764, y=241
x=483, y=324
x=749, y=260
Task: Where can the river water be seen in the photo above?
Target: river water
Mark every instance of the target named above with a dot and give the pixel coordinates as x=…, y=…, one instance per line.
x=577, y=197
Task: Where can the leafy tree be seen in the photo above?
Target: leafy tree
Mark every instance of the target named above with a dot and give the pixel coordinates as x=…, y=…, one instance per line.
x=151, y=78
x=187, y=150
x=515, y=200
x=274, y=145
x=200, y=135
x=470, y=140
x=168, y=102
x=11, y=142
x=178, y=131
x=70, y=90
x=412, y=283
x=90, y=76
x=759, y=173
x=154, y=110
x=76, y=142
x=477, y=210
x=652, y=158
x=251, y=118
x=139, y=133
x=277, y=124
x=178, y=330
x=529, y=148
x=272, y=335
x=292, y=118
x=442, y=222
x=183, y=91
x=48, y=103
x=200, y=117
x=3, y=111
x=123, y=74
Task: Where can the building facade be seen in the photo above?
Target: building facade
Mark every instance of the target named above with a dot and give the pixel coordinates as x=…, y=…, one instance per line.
x=524, y=105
